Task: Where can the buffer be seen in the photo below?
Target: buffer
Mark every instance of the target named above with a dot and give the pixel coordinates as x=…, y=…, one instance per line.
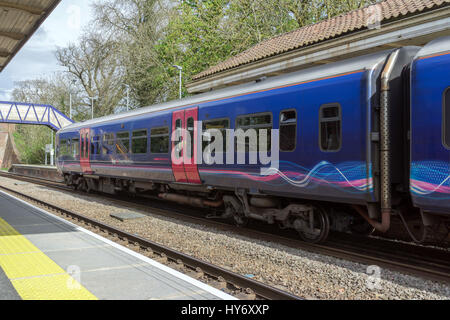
x=30, y=113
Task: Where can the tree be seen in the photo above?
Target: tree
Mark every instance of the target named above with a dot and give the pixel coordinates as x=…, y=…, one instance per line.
x=202, y=33
x=30, y=140
x=96, y=64
x=138, y=25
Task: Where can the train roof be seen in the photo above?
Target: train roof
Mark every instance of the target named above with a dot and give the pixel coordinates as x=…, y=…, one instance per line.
x=440, y=45
x=367, y=62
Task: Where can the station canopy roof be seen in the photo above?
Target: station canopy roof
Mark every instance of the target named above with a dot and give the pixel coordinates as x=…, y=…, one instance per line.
x=19, y=19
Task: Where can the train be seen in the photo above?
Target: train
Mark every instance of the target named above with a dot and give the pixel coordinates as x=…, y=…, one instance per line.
x=358, y=141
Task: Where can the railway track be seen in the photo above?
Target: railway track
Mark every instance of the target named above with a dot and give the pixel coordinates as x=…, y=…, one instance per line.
x=426, y=262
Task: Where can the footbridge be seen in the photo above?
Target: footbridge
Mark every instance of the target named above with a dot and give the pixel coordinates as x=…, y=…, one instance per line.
x=30, y=113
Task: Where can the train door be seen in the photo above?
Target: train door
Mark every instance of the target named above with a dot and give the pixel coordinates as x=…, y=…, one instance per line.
x=85, y=150
x=184, y=155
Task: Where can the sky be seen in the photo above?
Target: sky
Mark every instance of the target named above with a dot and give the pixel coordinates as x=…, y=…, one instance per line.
x=36, y=59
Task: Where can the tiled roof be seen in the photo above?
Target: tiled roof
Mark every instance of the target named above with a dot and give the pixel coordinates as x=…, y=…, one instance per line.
x=359, y=19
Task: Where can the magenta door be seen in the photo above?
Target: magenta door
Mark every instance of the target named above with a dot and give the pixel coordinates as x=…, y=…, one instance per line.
x=184, y=155
x=85, y=150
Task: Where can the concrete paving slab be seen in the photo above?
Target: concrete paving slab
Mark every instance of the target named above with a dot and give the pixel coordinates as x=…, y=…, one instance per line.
x=123, y=216
x=106, y=269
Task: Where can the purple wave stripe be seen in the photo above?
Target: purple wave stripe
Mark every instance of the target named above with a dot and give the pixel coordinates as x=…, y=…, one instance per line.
x=360, y=184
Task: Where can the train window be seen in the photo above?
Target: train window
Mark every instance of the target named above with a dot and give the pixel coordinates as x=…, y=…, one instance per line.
x=123, y=142
x=159, y=140
x=62, y=147
x=190, y=130
x=95, y=145
x=330, y=134
x=92, y=146
x=218, y=124
x=75, y=147
x=177, y=139
x=446, y=119
x=69, y=147
x=259, y=123
x=85, y=146
x=108, y=146
x=139, y=142
x=82, y=146
x=288, y=130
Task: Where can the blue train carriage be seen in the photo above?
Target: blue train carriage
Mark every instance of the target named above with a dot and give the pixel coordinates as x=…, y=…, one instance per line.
x=330, y=140
x=430, y=132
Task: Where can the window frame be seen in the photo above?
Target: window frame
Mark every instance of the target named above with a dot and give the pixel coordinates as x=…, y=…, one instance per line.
x=76, y=150
x=95, y=141
x=69, y=145
x=60, y=144
x=139, y=137
x=105, y=142
x=296, y=128
x=260, y=126
x=443, y=126
x=332, y=104
x=204, y=122
x=123, y=139
x=190, y=153
x=158, y=136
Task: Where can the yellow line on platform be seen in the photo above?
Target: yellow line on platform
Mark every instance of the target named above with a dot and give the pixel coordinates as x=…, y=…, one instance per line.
x=33, y=274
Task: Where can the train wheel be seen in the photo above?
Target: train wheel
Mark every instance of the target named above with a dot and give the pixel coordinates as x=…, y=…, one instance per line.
x=240, y=219
x=313, y=227
x=83, y=186
x=234, y=210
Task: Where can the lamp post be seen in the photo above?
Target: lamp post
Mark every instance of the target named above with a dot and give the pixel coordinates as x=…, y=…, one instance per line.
x=179, y=69
x=70, y=97
x=128, y=97
x=92, y=105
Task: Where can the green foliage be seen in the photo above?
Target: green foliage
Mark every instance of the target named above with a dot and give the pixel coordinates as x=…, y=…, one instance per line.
x=30, y=142
x=201, y=33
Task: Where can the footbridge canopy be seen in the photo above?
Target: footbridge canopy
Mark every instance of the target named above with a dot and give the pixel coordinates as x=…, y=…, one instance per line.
x=29, y=113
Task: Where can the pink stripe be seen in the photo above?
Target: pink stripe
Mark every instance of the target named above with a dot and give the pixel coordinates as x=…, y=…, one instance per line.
x=430, y=186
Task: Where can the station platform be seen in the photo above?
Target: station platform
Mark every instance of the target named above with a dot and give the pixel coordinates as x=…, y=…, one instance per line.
x=44, y=257
x=37, y=171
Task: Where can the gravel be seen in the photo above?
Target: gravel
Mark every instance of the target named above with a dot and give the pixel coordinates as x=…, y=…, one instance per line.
x=303, y=273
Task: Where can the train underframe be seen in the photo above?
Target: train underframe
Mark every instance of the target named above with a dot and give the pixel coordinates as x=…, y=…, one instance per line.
x=313, y=220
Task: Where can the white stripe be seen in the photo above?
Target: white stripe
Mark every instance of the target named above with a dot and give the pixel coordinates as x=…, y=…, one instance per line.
x=201, y=285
